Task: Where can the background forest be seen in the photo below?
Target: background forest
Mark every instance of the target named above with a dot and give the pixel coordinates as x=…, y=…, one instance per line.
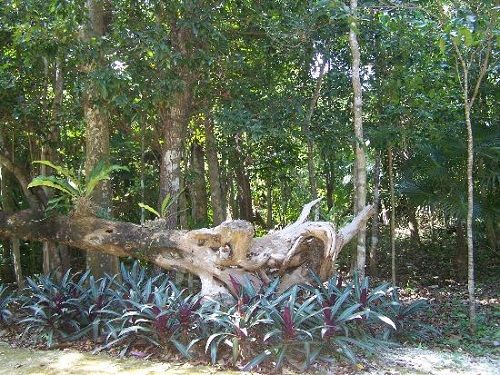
x=244, y=110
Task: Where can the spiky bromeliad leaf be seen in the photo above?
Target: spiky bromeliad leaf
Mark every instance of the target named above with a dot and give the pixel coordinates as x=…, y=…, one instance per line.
x=100, y=173
x=55, y=183
x=60, y=170
x=150, y=209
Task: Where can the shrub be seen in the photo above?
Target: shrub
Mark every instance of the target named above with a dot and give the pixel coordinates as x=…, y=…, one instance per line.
x=50, y=310
x=5, y=300
x=143, y=310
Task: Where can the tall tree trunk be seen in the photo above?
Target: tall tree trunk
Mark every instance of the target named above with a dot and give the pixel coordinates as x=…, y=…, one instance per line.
x=173, y=120
x=97, y=138
x=199, y=199
x=55, y=257
x=393, y=214
x=469, y=100
x=360, y=163
x=329, y=182
x=306, y=129
x=216, y=197
x=375, y=220
x=8, y=204
x=243, y=183
x=269, y=203
x=470, y=208
x=413, y=225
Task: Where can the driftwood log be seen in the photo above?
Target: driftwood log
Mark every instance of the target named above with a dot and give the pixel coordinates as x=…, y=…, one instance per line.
x=215, y=255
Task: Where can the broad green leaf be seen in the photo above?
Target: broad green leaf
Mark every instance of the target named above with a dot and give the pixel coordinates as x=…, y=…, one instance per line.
x=99, y=173
x=55, y=183
x=165, y=204
x=61, y=170
x=150, y=209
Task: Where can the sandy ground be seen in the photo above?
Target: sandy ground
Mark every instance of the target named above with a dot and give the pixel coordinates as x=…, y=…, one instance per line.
x=402, y=361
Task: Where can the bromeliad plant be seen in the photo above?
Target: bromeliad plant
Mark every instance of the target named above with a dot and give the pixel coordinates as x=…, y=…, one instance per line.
x=140, y=310
x=242, y=324
x=5, y=301
x=404, y=316
x=289, y=336
x=153, y=312
x=50, y=310
x=96, y=305
x=75, y=191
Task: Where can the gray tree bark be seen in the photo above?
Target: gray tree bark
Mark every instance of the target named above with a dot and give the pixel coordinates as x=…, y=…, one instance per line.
x=469, y=99
x=360, y=162
x=216, y=196
x=375, y=220
x=199, y=199
x=390, y=169
x=97, y=136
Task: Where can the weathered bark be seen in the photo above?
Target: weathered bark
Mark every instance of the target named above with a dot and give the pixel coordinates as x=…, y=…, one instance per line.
x=360, y=162
x=375, y=220
x=97, y=137
x=215, y=255
x=198, y=189
x=393, y=214
x=173, y=120
x=216, y=196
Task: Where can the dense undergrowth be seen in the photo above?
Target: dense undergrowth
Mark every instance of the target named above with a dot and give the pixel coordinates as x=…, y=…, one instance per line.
x=140, y=312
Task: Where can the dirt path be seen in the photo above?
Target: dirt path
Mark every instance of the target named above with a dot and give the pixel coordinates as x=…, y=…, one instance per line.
x=403, y=361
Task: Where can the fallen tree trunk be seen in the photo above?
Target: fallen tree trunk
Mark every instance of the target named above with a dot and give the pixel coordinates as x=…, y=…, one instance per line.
x=215, y=255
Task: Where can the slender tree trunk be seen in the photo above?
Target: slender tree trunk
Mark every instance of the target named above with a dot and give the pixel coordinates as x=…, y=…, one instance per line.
x=360, y=182
x=183, y=204
x=413, y=226
x=97, y=139
x=375, y=220
x=216, y=197
x=468, y=104
x=269, y=203
x=470, y=208
x=9, y=206
x=243, y=184
x=329, y=175
x=306, y=129
x=393, y=214
x=199, y=199
x=55, y=257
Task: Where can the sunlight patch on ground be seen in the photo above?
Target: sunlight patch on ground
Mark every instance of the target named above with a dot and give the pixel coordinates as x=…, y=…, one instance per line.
x=21, y=361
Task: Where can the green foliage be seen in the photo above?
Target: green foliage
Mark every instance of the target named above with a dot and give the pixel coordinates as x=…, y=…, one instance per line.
x=5, y=300
x=72, y=187
x=166, y=205
x=143, y=310
x=50, y=311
